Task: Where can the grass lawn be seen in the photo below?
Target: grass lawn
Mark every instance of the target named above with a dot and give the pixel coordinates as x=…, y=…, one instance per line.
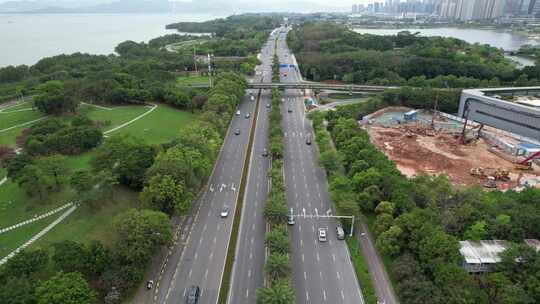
x=9, y=241
x=362, y=272
x=16, y=206
x=14, y=118
x=187, y=44
x=8, y=120
x=3, y=173
x=87, y=224
x=114, y=117
x=191, y=80
x=160, y=126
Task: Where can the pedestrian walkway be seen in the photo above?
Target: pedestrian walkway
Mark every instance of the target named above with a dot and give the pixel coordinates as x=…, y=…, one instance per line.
x=44, y=215
x=39, y=234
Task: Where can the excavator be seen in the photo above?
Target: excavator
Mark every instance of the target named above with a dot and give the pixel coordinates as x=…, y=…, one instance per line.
x=527, y=163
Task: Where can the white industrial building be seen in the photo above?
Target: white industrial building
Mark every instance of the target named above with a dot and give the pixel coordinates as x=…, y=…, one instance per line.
x=482, y=256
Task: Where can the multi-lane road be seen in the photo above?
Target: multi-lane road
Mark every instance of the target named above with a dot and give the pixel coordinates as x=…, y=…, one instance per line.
x=322, y=271
x=248, y=268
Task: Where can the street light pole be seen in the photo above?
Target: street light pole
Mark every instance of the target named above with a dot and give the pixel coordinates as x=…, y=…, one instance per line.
x=210, y=69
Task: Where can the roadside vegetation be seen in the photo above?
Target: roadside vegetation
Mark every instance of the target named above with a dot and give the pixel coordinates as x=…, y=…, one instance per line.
x=278, y=268
x=125, y=142
x=327, y=51
x=419, y=221
x=345, y=203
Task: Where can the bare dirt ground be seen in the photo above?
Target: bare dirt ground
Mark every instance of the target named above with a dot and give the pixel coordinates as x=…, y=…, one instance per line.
x=418, y=150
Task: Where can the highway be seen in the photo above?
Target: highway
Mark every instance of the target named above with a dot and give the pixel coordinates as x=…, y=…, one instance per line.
x=198, y=258
x=248, y=269
x=322, y=271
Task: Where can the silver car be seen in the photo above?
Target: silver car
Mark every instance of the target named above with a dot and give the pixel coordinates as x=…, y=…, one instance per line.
x=225, y=211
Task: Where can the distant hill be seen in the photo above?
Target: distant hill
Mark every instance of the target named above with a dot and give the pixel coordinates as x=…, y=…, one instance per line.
x=157, y=6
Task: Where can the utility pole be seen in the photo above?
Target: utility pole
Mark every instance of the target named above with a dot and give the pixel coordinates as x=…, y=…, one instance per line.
x=210, y=69
x=195, y=59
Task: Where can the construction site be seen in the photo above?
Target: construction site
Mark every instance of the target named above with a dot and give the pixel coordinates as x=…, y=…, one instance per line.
x=421, y=142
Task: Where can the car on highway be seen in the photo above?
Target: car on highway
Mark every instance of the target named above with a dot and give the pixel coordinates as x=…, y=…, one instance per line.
x=251, y=97
x=247, y=115
x=237, y=131
x=192, y=295
x=224, y=211
x=322, y=234
x=150, y=284
x=289, y=110
x=238, y=113
x=265, y=152
x=340, y=233
x=308, y=139
x=268, y=105
x=290, y=219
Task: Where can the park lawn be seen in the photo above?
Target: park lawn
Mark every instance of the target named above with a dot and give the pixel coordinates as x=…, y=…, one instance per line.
x=3, y=173
x=191, y=80
x=15, y=118
x=18, y=106
x=9, y=241
x=9, y=138
x=88, y=223
x=160, y=126
x=7, y=120
x=114, y=117
x=16, y=206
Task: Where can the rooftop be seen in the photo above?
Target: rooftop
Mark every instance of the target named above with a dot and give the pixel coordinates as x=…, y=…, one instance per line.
x=482, y=252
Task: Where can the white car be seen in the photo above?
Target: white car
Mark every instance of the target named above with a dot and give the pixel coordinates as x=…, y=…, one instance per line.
x=225, y=211
x=322, y=235
x=238, y=112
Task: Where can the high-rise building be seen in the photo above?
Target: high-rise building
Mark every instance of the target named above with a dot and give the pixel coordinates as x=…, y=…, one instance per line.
x=466, y=10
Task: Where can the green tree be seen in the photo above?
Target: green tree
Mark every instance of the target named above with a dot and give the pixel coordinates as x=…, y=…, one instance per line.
x=140, y=233
x=277, y=266
x=277, y=239
x=126, y=157
x=26, y=263
x=329, y=160
x=65, y=288
x=385, y=207
x=53, y=98
x=478, y=231
x=18, y=290
x=275, y=213
x=280, y=292
x=164, y=193
x=69, y=256
x=389, y=241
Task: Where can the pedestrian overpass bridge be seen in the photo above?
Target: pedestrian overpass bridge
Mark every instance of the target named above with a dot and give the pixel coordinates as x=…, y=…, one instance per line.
x=319, y=86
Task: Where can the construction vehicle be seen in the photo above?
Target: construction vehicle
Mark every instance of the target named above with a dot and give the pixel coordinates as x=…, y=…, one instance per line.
x=490, y=182
x=497, y=174
x=527, y=163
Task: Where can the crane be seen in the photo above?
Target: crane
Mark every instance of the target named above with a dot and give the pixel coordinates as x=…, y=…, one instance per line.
x=530, y=158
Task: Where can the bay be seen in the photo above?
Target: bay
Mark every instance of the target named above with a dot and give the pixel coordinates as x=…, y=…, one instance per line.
x=27, y=38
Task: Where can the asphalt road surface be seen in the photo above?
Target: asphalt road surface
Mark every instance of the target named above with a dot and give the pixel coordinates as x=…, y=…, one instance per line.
x=322, y=271
x=248, y=268
x=198, y=258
